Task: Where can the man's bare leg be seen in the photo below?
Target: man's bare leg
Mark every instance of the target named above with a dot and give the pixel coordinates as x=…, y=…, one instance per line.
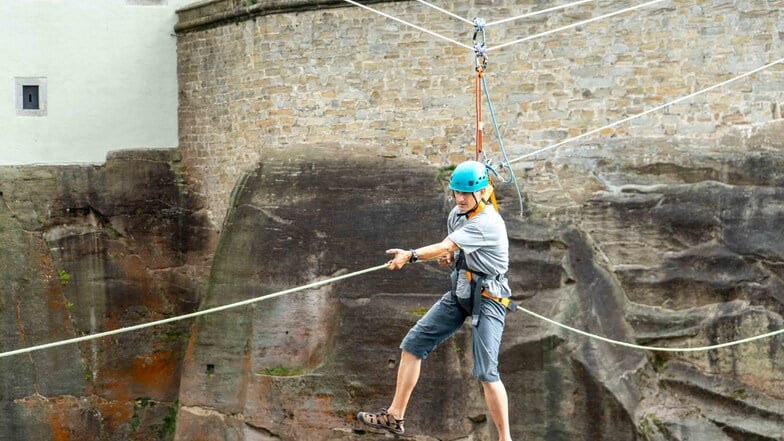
x=498, y=406
x=407, y=377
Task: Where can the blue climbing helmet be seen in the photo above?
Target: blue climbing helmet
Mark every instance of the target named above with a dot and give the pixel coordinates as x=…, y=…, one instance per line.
x=468, y=177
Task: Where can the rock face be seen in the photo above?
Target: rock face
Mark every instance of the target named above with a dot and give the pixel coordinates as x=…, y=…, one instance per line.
x=85, y=250
x=651, y=243
x=665, y=244
x=297, y=367
x=685, y=235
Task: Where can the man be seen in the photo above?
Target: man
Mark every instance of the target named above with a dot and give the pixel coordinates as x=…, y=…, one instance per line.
x=477, y=242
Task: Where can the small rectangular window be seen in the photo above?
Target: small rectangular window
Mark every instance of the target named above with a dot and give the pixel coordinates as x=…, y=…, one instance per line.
x=30, y=97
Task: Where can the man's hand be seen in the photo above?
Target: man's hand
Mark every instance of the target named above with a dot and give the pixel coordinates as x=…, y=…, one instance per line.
x=401, y=258
x=446, y=259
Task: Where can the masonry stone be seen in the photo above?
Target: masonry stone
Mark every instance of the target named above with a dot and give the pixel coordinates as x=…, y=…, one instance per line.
x=283, y=68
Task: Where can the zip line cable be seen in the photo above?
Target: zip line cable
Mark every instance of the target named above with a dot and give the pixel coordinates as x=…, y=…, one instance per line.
x=472, y=23
x=450, y=13
x=531, y=14
x=573, y=25
x=419, y=28
x=497, y=22
x=654, y=109
x=188, y=316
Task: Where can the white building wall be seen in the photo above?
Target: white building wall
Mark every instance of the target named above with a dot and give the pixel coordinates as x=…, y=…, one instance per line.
x=110, y=75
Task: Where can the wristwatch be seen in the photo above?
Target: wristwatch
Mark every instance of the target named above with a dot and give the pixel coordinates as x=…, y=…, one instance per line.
x=414, y=256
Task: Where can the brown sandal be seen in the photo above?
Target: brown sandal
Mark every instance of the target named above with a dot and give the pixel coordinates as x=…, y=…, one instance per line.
x=382, y=420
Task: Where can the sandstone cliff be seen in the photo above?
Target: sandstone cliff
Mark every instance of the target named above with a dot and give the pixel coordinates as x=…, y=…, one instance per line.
x=88, y=249
x=652, y=242
x=658, y=243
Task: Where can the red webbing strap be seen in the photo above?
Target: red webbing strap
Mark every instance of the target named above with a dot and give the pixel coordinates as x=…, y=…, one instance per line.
x=478, y=102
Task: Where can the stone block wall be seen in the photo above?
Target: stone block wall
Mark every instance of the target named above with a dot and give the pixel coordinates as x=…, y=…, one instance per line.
x=256, y=76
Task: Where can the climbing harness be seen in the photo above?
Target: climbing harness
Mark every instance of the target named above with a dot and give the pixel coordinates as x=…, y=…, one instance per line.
x=476, y=279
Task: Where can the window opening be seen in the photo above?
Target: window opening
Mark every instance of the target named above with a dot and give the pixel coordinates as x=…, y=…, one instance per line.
x=30, y=97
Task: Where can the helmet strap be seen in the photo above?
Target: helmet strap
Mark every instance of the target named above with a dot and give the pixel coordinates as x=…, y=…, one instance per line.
x=480, y=204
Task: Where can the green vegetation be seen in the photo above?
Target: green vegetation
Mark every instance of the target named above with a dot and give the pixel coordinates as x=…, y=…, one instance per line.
x=281, y=371
x=64, y=277
x=139, y=404
x=164, y=430
x=659, y=362
x=443, y=171
x=177, y=334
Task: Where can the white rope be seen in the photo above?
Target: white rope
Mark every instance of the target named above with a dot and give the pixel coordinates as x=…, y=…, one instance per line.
x=188, y=316
x=450, y=13
x=629, y=118
x=531, y=14
x=419, y=28
x=346, y=276
x=552, y=31
x=653, y=348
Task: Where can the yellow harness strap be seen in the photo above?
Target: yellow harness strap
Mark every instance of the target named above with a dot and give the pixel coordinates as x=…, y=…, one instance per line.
x=502, y=300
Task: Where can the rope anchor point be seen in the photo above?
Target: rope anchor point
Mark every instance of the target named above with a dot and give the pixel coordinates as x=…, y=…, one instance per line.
x=480, y=47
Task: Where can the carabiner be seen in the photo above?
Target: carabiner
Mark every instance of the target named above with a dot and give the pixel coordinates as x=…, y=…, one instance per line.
x=480, y=48
x=479, y=28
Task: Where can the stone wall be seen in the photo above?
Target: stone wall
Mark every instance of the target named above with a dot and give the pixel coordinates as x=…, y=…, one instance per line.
x=259, y=76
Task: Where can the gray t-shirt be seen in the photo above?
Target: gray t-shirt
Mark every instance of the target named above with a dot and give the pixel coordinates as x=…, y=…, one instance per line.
x=485, y=243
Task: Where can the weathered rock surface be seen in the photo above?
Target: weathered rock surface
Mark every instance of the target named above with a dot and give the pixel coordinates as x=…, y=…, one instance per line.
x=651, y=243
x=659, y=243
x=302, y=215
x=88, y=249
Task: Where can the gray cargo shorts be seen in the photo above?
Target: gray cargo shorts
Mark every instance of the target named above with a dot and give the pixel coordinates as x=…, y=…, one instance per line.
x=445, y=317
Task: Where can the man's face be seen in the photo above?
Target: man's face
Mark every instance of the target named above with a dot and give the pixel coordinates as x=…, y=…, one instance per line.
x=466, y=201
